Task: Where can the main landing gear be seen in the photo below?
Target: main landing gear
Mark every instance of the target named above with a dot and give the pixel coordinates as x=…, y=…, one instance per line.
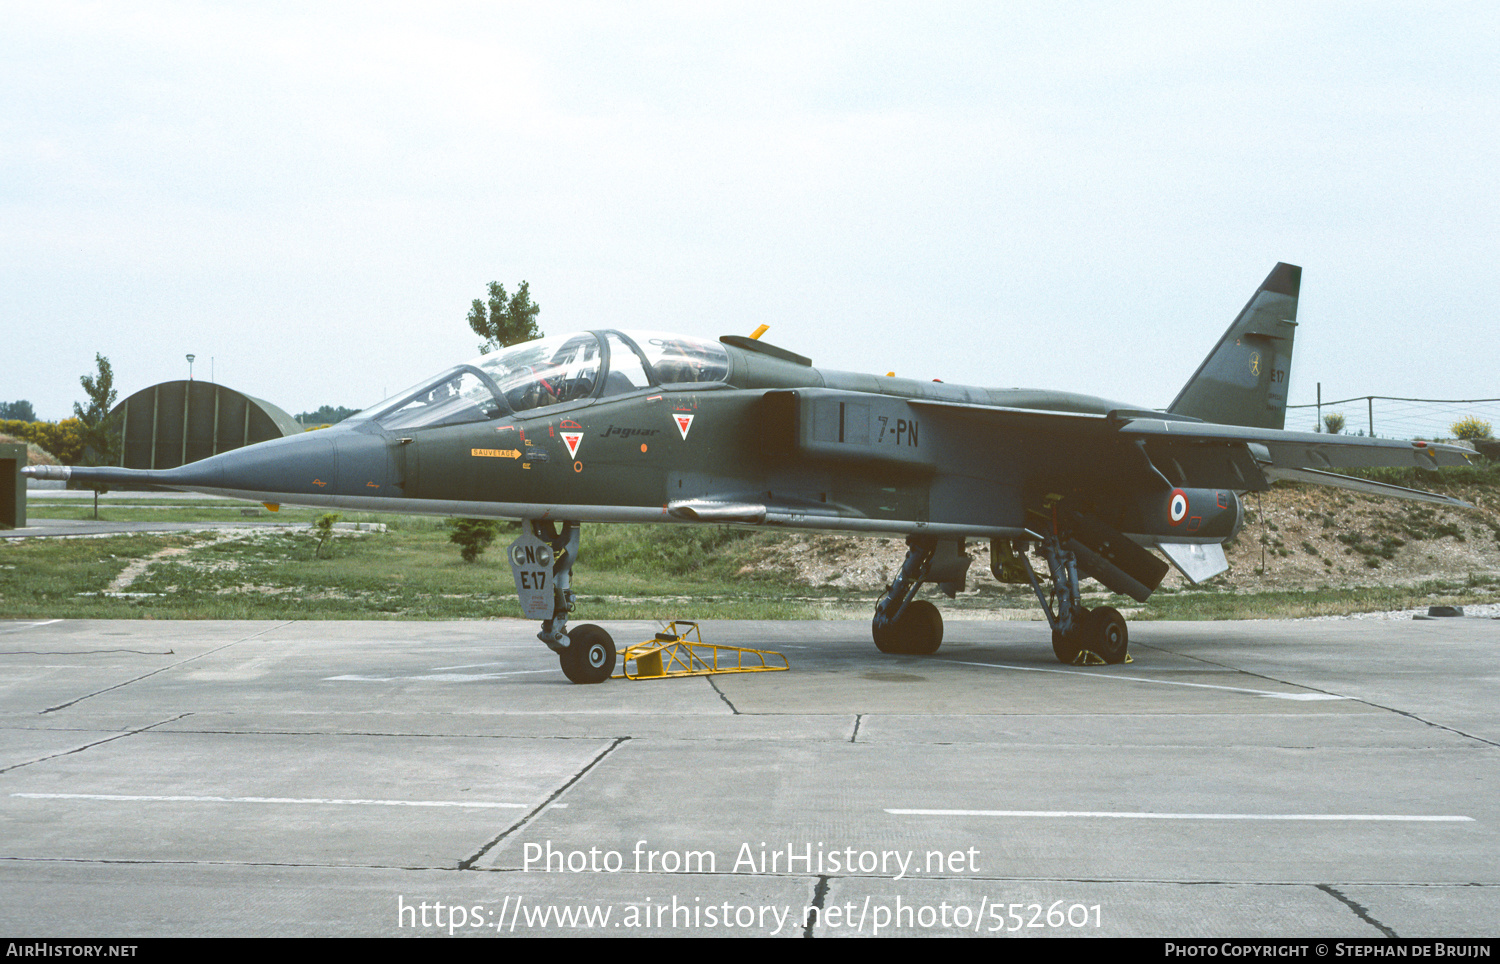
x=914, y=627
x=1079, y=636
x=542, y=562
x=903, y=624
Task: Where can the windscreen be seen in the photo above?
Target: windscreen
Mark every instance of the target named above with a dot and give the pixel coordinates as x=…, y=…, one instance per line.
x=460, y=395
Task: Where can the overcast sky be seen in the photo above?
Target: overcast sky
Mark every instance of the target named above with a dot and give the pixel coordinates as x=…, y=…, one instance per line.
x=1075, y=196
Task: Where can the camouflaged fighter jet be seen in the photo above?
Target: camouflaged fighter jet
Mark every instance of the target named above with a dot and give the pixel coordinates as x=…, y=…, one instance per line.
x=639, y=426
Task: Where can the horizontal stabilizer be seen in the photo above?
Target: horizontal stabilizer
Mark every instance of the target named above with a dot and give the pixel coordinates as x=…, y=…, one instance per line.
x=1365, y=486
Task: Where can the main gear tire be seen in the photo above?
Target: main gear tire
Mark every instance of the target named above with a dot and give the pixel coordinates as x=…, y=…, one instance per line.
x=922, y=628
x=590, y=656
x=1066, y=646
x=919, y=631
x=1107, y=634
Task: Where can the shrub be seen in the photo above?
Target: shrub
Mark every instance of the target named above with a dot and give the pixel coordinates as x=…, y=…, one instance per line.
x=1333, y=423
x=472, y=536
x=324, y=528
x=63, y=439
x=1472, y=429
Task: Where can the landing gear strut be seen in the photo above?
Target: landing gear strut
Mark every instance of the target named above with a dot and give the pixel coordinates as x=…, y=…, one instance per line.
x=903, y=624
x=542, y=563
x=1079, y=636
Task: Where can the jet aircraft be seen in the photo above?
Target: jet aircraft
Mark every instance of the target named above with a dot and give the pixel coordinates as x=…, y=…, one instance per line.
x=643, y=426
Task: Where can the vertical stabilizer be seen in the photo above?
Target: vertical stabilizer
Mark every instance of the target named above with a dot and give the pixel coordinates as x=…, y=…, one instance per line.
x=1243, y=381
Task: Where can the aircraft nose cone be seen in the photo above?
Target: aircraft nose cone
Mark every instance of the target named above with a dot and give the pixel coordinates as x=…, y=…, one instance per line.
x=286, y=465
x=326, y=462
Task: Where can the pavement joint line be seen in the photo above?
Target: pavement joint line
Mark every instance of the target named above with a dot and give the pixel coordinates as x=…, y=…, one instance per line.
x=144, y=798
x=820, y=893
x=86, y=652
x=468, y=863
x=1252, y=673
x=108, y=739
x=1151, y=815
x=1309, y=697
x=1356, y=699
x=163, y=669
x=1440, y=726
x=732, y=707
x=163, y=862
x=1360, y=911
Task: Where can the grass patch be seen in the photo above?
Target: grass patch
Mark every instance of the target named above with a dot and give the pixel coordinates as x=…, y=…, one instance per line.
x=1485, y=475
x=43, y=579
x=410, y=571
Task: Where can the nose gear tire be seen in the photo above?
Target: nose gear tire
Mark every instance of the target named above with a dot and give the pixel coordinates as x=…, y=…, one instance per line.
x=590, y=656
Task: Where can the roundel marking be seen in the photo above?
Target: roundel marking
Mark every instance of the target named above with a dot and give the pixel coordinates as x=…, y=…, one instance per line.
x=1177, y=507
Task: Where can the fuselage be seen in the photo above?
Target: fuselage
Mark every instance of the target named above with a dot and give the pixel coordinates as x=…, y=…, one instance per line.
x=613, y=426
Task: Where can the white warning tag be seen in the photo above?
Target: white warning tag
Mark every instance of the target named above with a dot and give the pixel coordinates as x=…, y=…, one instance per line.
x=684, y=422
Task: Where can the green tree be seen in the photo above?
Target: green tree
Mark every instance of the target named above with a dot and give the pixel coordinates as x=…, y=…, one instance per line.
x=327, y=415
x=504, y=319
x=101, y=437
x=20, y=411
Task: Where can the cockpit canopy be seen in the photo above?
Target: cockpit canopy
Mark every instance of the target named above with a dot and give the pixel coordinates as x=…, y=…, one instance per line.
x=552, y=371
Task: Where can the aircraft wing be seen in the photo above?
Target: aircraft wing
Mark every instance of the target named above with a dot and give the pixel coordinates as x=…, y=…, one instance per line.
x=1303, y=456
x=1298, y=450
x=1231, y=456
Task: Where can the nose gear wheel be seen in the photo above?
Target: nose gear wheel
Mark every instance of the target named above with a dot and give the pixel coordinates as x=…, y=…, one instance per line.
x=590, y=656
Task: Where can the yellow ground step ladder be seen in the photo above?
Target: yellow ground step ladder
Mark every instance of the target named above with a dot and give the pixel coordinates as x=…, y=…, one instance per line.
x=679, y=650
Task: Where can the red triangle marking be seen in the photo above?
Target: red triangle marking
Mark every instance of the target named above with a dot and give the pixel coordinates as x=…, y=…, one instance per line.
x=684, y=422
x=571, y=440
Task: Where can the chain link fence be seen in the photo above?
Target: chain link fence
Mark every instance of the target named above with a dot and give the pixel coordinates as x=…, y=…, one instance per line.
x=1385, y=416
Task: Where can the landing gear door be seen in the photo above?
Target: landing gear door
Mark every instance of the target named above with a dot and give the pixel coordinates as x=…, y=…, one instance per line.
x=531, y=563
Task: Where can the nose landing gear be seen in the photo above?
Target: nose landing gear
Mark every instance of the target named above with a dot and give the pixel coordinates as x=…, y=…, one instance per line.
x=541, y=560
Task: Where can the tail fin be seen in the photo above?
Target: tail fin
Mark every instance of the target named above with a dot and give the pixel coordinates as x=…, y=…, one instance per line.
x=1243, y=381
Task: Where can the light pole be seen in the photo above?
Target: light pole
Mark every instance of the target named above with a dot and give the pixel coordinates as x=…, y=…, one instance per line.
x=190, y=366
